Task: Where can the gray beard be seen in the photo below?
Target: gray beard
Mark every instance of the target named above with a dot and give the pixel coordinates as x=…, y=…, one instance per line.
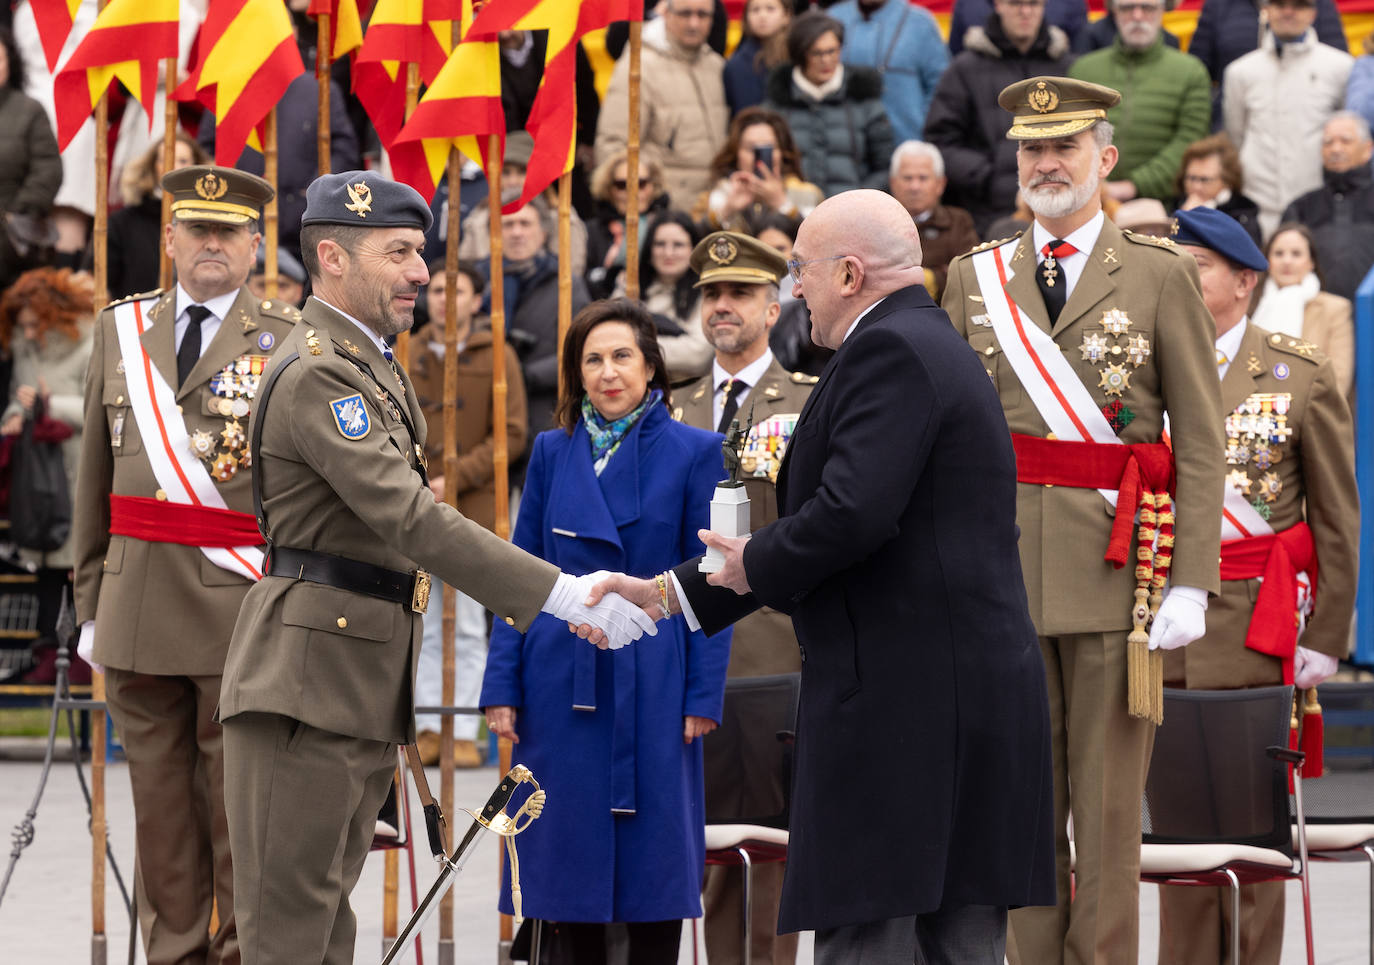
x=1060, y=204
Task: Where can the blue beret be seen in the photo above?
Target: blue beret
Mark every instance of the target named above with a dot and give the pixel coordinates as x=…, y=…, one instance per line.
x=1210, y=228
x=364, y=199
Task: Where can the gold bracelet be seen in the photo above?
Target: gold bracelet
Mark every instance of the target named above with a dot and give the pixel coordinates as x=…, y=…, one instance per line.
x=663, y=596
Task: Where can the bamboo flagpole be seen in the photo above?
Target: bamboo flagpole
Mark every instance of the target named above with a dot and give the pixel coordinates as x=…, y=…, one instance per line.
x=269, y=211
x=322, y=62
x=412, y=98
x=564, y=266
x=169, y=161
x=448, y=686
x=632, y=169
x=500, y=443
x=99, y=240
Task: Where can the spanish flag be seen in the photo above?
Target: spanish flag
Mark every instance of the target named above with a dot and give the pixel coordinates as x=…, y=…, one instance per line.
x=145, y=29
x=345, y=25
x=246, y=57
x=553, y=115
x=401, y=32
x=461, y=109
x=54, y=19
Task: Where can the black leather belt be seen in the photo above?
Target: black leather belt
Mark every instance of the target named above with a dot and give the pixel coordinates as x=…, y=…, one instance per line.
x=411, y=589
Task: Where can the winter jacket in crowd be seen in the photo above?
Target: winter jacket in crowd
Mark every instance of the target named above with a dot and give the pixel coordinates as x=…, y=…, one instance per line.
x=1276, y=103
x=1228, y=29
x=1359, y=90
x=970, y=129
x=1341, y=216
x=745, y=77
x=844, y=136
x=1070, y=16
x=682, y=111
x=902, y=42
x=1166, y=104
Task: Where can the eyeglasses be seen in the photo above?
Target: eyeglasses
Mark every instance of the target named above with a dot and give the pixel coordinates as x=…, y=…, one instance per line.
x=620, y=184
x=794, y=267
x=1201, y=178
x=823, y=53
x=1138, y=9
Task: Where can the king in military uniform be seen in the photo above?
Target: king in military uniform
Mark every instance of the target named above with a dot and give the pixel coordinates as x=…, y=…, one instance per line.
x=1291, y=517
x=738, y=278
x=319, y=682
x=1086, y=331
x=166, y=544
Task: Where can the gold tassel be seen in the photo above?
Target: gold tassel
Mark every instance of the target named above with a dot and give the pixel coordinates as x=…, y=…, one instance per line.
x=1139, y=689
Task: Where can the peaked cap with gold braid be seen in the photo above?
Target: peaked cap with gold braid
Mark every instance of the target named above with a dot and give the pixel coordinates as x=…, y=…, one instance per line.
x=1044, y=107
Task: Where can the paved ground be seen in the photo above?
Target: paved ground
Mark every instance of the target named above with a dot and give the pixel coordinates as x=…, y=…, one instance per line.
x=45, y=916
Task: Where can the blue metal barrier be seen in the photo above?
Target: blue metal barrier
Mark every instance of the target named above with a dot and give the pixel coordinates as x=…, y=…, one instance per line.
x=1364, y=467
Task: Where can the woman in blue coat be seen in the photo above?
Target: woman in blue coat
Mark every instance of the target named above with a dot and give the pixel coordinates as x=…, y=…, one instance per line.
x=612, y=735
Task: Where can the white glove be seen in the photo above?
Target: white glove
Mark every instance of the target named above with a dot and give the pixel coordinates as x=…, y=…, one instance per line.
x=1181, y=618
x=1311, y=668
x=85, y=645
x=618, y=618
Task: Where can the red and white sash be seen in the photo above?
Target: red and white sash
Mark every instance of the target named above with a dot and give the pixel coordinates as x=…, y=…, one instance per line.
x=1240, y=520
x=1055, y=389
x=182, y=476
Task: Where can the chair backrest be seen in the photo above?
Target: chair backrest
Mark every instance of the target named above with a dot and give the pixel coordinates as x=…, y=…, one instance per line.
x=1345, y=793
x=748, y=759
x=1211, y=778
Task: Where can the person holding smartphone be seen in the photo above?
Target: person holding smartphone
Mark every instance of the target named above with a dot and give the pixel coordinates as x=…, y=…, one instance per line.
x=757, y=170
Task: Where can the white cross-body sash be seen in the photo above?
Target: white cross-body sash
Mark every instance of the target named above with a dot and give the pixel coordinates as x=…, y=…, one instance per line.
x=182, y=477
x=1055, y=389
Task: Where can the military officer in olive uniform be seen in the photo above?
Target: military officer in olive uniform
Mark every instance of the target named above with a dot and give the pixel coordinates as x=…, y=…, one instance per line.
x=318, y=684
x=1290, y=493
x=1086, y=331
x=166, y=546
x=738, y=278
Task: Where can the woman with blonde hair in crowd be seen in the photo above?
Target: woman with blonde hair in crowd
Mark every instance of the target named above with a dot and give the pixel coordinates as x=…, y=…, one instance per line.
x=610, y=187
x=1292, y=302
x=134, y=244
x=758, y=170
x=46, y=321
x=762, y=47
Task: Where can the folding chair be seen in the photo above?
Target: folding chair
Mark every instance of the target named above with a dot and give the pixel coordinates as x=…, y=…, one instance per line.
x=748, y=771
x=1339, y=807
x=1216, y=809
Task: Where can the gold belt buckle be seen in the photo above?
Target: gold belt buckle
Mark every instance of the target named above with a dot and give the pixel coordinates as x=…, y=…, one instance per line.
x=419, y=600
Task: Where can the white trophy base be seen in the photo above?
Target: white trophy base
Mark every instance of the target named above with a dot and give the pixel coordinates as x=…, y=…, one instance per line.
x=729, y=517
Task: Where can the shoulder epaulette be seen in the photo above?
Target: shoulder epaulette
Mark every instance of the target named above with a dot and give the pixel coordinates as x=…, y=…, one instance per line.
x=801, y=378
x=1295, y=346
x=988, y=244
x=155, y=293
x=279, y=309
x=1154, y=241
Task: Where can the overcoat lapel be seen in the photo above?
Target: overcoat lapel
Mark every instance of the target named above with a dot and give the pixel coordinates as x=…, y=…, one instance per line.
x=1021, y=286
x=582, y=509
x=1239, y=381
x=159, y=337
x=1096, y=281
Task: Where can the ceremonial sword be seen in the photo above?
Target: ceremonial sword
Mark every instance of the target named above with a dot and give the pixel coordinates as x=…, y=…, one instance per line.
x=492, y=817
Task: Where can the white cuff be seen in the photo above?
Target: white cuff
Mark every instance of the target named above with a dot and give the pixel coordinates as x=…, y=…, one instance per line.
x=692, y=622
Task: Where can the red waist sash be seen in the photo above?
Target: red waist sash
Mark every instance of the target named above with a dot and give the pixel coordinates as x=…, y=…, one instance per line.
x=1129, y=469
x=158, y=521
x=1279, y=558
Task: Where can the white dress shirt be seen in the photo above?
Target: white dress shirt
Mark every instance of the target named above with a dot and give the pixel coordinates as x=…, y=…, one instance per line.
x=219, y=307
x=1229, y=344
x=749, y=375
x=1082, y=238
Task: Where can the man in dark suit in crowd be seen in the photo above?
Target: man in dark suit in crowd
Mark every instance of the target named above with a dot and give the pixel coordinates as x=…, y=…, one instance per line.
x=895, y=554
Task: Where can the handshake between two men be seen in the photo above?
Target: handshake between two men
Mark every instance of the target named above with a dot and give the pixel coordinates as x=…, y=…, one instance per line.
x=617, y=609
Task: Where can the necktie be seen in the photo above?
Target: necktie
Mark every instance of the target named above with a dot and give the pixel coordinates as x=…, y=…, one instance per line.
x=1051, y=277
x=189, y=352
x=727, y=411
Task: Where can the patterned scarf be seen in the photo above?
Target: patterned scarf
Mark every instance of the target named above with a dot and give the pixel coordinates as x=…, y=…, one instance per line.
x=607, y=436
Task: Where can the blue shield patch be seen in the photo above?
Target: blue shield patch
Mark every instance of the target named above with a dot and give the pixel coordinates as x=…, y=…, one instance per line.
x=350, y=416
